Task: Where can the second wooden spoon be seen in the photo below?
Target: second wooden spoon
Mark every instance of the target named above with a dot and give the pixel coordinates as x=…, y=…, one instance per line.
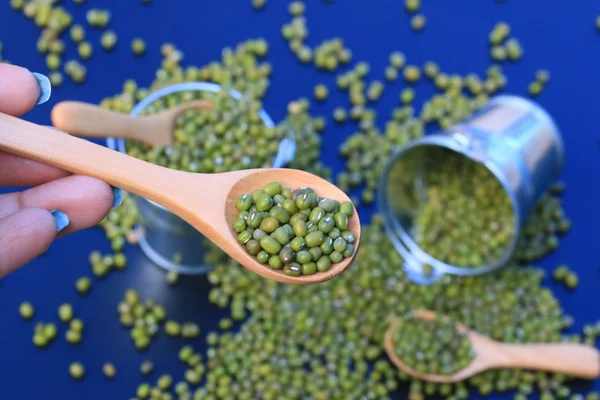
x=566, y=358
x=89, y=120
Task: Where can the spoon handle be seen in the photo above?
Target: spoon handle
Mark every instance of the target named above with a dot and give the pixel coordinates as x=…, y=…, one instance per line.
x=80, y=156
x=82, y=119
x=567, y=358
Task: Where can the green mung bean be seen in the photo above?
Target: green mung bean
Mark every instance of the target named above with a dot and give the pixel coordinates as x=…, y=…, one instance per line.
x=85, y=50
x=146, y=368
x=138, y=46
x=65, y=312
x=535, y=88
x=321, y=92
x=412, y=73
x=83, y=285
x=397, y=60
x=76, y=370
x=542, y=76
x=109, y=370
x=26, y=310
x=296, y=8
x=72, y=336
x=77, y=33
x=417, y=22
x=108, y=40
x=514, y=51
x=76, y=325
x=172, y=278
x=412, y=6
x=259, y=4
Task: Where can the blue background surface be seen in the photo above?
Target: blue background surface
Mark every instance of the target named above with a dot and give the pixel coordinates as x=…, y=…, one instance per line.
x=555, y=35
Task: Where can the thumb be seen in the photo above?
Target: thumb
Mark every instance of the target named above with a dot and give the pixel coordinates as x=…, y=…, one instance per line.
x=26, y=234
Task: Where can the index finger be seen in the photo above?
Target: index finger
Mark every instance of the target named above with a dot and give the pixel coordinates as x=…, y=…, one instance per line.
x=21, y=90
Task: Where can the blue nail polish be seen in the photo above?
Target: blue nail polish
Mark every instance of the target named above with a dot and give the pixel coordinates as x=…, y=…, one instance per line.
x=117, y=196
x=62, y=220
x=45, y=87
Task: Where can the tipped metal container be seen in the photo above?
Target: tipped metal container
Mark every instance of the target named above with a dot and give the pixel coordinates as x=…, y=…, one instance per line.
x=513, y=137
x=166, y=239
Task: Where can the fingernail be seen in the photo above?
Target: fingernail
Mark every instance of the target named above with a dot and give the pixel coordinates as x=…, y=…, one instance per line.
x=117, y=196
x=62, y=220
x=45, y=87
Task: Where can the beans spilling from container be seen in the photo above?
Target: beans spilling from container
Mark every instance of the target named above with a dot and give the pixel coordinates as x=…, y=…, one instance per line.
x=295, y=231
x=466, y=218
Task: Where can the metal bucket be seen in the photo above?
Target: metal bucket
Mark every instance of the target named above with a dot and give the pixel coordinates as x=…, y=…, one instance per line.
x=163, y=237
x=513, y=137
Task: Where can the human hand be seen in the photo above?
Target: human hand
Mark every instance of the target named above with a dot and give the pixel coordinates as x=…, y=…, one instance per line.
x=59, y=203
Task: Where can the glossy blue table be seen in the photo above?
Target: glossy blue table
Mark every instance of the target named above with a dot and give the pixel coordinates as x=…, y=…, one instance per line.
x=555, y=35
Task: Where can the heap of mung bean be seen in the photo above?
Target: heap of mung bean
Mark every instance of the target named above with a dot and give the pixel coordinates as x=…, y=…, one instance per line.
x=297, y=231
x=343, y=321
x=331, y=54
x=145, y=318
x=467, y=218
x=432, y=347
x=335, y=349
x=546, y=223
x=373, y=291
x=339, y=326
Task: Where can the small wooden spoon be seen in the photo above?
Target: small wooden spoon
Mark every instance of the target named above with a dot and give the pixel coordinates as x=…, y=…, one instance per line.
x=566, y=358
x=89, y=120
x=205, y=201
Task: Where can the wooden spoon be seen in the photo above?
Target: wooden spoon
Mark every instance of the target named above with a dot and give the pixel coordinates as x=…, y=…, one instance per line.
x=89, y=120
x=205, y=201
x=566, y=358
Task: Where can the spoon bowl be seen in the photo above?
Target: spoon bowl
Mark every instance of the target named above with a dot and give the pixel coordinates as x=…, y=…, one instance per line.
x=205, y=201
x=294, y=179
x=568, y=358
x=90, y=120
